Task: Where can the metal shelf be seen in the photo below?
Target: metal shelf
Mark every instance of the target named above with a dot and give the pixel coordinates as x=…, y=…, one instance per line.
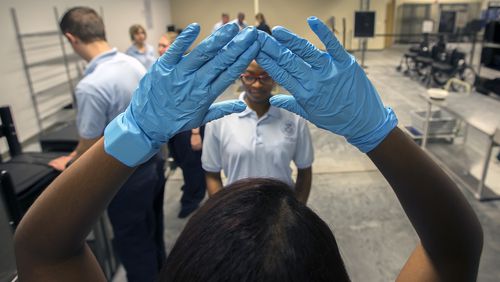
x=57, y=89
x=491, y=45
x=54, y=105
x=55, y=61
x=47, y=100
x=40, y=34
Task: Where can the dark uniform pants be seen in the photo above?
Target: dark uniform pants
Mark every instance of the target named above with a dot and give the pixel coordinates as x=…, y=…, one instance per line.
x=190, y=162
x=136, y=214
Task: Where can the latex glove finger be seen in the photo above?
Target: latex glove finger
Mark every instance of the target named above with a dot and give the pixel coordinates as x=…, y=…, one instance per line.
x=280, y=75
x=326, y=36
x=209, y=47
x=301, y=47
x=288, y=103
x=233, y=71
x=287, y=60
x=180, y=45
x=221, y=109
x=232, y=53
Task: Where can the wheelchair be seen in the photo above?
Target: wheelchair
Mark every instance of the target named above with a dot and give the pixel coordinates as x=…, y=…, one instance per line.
x=423, y=62
x=408, y=58
x=452, y=65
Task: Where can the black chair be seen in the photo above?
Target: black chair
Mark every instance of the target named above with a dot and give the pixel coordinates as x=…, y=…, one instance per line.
x=8, y=270
x=9, y=200
x=63, y=138
x=25, y=175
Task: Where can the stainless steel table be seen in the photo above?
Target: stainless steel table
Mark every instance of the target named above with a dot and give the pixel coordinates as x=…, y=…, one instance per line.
x=483, y=114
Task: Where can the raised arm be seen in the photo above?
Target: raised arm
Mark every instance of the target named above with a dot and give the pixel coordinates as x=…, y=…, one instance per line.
x=332, y=91
x=50, y=240
x=447, y=226
x=175, y=95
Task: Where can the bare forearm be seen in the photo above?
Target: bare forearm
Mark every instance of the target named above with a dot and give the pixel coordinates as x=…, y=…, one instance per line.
x=445, y=222
x=65, y=212
x=82, y=147
x=303, y=185
x=214, y=183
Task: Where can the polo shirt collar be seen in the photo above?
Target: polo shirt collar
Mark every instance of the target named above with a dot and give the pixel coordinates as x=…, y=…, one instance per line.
x=99, y=59
x=272, y=112
x=137, y=51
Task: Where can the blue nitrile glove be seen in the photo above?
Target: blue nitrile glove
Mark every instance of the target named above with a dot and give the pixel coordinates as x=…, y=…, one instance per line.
x=178, y=91
x=329, y=88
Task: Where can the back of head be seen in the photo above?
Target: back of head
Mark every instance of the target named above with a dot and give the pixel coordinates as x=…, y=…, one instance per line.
x=255, y=230
x=84, y=23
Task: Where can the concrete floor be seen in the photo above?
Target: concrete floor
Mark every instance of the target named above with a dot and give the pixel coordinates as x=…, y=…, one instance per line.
x=373, y=233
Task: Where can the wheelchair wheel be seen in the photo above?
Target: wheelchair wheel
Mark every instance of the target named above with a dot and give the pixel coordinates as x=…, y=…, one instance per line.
x=411, y=65
x=440, y=78
x=421, y=69
x=467, y=75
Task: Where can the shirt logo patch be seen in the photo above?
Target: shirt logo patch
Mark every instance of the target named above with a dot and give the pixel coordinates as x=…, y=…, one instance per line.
x=288, y=128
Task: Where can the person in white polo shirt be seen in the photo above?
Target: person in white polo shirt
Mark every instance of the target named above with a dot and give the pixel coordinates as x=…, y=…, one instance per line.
x=261, y=141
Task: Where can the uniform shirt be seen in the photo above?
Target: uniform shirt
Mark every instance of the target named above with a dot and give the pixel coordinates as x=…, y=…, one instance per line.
x=243, y=145
x=147, y=58
x=105, y=91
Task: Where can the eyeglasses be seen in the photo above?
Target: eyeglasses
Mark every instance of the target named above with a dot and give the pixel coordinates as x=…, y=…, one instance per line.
x=251, y=79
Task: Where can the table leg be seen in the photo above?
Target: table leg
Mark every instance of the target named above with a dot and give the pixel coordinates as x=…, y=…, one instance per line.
x=110, y=257
x=466, y=133
x=482, y=181
x=426, y=125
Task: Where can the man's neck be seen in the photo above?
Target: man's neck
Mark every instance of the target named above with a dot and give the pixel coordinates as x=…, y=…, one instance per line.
x=259, y=108
x=94, y=49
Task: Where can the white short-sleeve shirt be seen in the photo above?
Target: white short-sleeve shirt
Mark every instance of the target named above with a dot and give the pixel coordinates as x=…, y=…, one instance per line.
x=110, y=80
x=243, y=145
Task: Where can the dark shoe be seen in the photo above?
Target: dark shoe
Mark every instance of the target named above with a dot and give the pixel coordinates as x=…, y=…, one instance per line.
x=186, y=211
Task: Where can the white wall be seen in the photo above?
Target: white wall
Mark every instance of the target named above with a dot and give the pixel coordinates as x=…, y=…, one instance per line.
x=38, y=16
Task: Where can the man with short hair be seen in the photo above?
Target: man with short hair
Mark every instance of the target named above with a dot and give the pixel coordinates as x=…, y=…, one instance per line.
x=224, y=20
x=136, y=212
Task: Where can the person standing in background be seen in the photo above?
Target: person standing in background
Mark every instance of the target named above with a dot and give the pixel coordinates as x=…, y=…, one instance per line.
x=261, y=141
x=165, y=41
x=261, y=23
x=185, y=147
x=224, y=20
x=240, y=20
x=139, y=49
x=105, y=91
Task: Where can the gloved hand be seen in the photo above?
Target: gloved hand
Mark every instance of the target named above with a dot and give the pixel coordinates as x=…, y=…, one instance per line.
x=329, y=88
x=178, y=91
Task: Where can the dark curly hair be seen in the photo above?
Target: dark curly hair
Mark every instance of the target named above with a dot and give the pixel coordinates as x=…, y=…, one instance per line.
x=255, y=230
